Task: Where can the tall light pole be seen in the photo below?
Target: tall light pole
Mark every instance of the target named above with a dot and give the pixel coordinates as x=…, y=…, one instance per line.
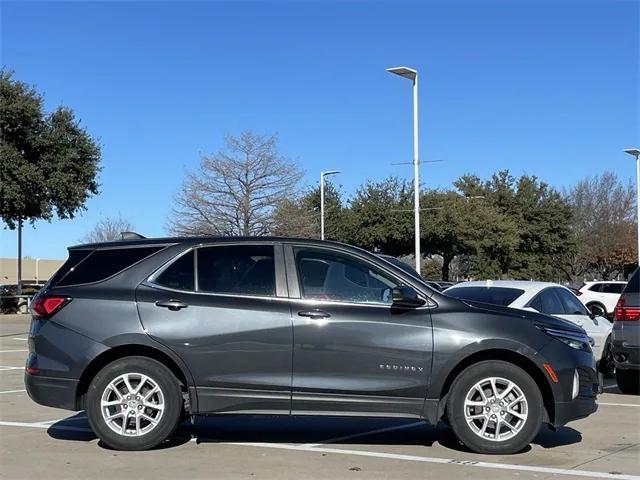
x=322, y=175
x=636, y=153
x=412, y=75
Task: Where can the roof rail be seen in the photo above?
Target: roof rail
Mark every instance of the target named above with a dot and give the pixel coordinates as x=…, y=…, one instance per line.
x=131, y=236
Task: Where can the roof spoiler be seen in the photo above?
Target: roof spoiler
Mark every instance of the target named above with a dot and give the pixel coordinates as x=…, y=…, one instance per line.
x=131, y=236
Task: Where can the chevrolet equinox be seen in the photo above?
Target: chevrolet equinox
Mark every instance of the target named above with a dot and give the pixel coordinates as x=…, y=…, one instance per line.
x=141, y=333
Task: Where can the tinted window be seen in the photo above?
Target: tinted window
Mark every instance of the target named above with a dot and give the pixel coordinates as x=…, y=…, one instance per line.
x=548, y=302
x=596, y=287
x=239, y=269
x=180, y=274
x=102, y=264
x=612, y=288
x=333, y=276
x=75, y=257
x=493, y=295
x=571, y=305
x=633, y=286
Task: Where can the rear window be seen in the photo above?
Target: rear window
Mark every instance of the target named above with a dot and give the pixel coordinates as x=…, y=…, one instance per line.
x=493, y=295
x=102, y=264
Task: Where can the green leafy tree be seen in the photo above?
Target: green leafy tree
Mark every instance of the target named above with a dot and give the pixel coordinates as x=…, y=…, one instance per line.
x=528, y=227
x=380, y=218
x=300, y=216
x=48, y=162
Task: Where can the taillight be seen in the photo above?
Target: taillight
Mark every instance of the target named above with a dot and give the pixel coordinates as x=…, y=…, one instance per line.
x=625, y=314
x=578, y=293
x=45, y=306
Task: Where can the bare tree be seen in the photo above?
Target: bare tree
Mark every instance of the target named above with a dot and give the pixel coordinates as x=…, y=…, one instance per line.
x=603, y=225
x=108, y=229
x=235, y=191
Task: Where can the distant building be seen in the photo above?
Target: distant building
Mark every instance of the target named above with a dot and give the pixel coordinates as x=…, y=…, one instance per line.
x=33, y=270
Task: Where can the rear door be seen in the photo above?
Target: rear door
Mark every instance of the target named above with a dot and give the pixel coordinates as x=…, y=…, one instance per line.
x=354, y=352
x=224, y=310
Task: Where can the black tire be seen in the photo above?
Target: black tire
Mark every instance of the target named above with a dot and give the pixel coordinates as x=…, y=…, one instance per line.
x=628, y=381
x=597, y=309
x=462, y=386
x=168, y=419
x=606, y=365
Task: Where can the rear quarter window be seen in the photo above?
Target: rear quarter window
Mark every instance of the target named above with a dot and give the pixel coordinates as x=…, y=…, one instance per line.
x=102, y=264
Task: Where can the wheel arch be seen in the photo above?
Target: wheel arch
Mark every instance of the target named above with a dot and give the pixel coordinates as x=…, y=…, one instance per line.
x=509, y=356
x=599, y=303
x=129, y=350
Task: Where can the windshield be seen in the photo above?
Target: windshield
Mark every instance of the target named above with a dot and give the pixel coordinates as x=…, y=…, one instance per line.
x=493, y=295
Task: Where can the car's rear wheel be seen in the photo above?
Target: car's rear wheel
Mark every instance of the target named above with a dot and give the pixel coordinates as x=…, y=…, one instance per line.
x=495, y=407
x=134, y=403
x=628, y=381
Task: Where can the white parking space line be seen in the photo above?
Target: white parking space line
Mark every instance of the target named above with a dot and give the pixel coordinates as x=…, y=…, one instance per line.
x=11, y=351
x=619, y=404
x=21, y=339
x=13, y=391
x=447, y=461
x=4, y=368
x=392, y=456
x=363, y=434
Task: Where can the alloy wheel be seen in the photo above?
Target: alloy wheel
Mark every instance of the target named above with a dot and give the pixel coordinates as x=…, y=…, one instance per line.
x=132, y=404
x=495, y=409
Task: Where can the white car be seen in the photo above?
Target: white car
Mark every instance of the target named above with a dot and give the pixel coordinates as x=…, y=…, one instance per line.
x=601, y=297
x=548, y=298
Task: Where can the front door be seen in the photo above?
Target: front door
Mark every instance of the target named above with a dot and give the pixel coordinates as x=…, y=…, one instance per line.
x=353, y=351
x=224, y=310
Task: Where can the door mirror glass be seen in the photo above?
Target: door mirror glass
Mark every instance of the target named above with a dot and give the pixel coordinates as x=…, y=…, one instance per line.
x=405, y=296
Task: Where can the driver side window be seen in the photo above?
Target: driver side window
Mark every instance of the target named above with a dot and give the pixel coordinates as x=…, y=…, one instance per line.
x=327, y=275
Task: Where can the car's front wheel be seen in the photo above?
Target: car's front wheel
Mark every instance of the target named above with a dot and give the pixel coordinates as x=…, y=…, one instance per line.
x=134, y=403
x=495, y=407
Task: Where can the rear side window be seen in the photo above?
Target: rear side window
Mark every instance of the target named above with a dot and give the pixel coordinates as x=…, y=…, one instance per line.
x=493, y=295
x=180, y=274
x=237, y=269
x=596, y=287
x=548, y=302
x=634, y=283
x=75, y=257
x=613, y=288
x=102, y=264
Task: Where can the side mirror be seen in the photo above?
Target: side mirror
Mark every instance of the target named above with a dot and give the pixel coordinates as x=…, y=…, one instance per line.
x=405, y=296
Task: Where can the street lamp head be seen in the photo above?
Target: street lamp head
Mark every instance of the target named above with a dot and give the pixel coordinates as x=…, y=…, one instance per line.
x=330, y=172
x=632, y=151
x=405, y=72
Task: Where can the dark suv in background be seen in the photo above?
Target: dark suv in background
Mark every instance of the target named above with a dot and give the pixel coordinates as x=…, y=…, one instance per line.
x=141, y=332
x=625, y=337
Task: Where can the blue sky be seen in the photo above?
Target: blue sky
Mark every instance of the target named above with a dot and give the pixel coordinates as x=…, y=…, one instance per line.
x=545, y=88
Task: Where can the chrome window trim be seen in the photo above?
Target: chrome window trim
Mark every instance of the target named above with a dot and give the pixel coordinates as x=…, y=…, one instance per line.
x=308, y=301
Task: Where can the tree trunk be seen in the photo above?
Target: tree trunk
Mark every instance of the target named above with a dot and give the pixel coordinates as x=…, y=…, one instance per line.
x=446, y=263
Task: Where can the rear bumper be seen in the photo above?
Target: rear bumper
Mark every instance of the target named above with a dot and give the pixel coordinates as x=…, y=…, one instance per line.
x=52, y=391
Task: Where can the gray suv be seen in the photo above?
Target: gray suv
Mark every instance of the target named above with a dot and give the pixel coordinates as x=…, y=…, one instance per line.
x=141, y=333
x=625, y=337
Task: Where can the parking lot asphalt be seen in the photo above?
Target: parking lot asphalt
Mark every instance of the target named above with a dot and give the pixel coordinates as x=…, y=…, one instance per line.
x=37, y=441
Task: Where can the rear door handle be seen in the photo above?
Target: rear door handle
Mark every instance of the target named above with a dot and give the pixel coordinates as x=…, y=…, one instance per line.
x=173, y=305
x=314, y=314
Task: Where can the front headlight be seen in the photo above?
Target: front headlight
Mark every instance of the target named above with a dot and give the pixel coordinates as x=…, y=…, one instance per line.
x=579, y=341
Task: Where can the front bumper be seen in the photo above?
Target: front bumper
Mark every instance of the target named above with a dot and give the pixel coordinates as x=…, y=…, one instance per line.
x=566, y=362
x=52, y=391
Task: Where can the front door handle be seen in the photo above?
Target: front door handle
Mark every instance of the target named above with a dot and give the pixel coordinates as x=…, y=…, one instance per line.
x=314, y=314
x=173, y=305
